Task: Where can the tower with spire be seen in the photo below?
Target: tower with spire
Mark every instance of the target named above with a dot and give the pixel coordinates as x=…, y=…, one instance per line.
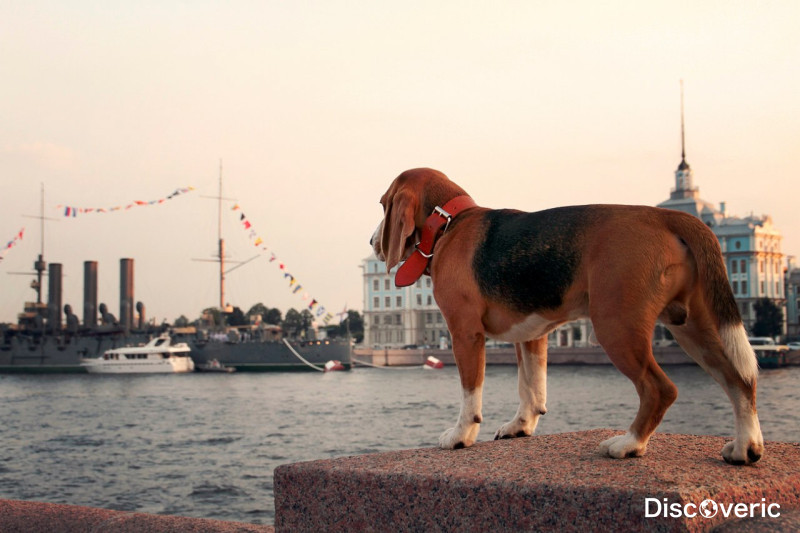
x=685, y=196
x=751, y=246
x=684, y=187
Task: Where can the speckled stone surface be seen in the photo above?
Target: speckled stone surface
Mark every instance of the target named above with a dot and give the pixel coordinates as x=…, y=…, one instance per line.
x=36, y=517
x=543, y=483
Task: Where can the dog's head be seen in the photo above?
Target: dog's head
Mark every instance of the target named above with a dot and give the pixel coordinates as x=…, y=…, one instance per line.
x=406, y=204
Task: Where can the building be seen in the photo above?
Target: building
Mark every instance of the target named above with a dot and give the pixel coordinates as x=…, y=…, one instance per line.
x=750, y=245
x=395, y=317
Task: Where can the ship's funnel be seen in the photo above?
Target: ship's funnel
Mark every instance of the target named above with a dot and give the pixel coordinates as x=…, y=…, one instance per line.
x=90, y=294
x=54, y=298
x=142, y=317
x=126, y=293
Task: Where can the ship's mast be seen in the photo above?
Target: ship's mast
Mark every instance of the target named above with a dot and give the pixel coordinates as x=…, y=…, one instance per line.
x=221, y=244
x=40, y=266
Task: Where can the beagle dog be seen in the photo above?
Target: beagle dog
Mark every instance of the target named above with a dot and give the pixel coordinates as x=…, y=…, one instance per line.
x=516, y=276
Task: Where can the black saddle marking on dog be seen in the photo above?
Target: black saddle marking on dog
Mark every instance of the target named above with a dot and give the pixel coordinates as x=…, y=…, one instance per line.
x=529, y=260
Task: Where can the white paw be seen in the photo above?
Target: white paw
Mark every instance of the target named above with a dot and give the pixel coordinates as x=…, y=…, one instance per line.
x=459, y=437
x=736, y=453
x=623, y=446
x=517, y=428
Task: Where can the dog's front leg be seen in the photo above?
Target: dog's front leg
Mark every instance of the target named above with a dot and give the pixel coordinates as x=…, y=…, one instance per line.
x=532, y=378
x=470, y=354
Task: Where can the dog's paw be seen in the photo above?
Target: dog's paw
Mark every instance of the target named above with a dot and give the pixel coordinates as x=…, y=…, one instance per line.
x=741, y=454
x=516, y=428
x=458, y=437
x=623, y=446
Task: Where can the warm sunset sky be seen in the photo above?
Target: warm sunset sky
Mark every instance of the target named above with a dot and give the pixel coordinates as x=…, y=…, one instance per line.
x=314, y=107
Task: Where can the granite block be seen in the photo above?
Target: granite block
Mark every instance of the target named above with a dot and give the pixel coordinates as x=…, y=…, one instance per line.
x=543, y=483
x=37, y=517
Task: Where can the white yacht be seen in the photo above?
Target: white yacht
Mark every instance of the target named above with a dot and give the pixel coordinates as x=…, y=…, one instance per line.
x=157, y=356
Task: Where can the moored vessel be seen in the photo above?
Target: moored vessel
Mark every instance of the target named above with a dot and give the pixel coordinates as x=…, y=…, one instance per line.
x=49, y=337
x=159, y=356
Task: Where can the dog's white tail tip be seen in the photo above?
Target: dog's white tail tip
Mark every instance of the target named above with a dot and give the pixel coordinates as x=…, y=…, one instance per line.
x=739, y=352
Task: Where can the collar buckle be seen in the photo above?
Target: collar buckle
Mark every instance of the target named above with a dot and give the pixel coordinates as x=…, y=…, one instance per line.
x=423, y=254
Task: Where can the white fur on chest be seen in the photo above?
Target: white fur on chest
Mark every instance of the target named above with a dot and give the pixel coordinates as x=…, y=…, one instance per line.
x=531, y=328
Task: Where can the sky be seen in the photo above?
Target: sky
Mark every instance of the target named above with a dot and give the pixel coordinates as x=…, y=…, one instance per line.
x=314, y=107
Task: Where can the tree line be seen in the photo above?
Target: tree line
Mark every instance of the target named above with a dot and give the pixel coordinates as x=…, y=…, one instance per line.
x=294, y=324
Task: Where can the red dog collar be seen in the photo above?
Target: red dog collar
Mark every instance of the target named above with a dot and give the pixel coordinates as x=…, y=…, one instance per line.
x=417, y=263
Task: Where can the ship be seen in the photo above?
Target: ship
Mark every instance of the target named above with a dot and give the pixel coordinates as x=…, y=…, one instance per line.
x=159, y=356
x=45, y=340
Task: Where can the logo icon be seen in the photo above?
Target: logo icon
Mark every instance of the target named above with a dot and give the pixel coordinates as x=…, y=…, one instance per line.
x=708, y=508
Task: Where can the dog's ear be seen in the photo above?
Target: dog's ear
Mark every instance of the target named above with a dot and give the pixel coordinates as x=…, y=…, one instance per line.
x=398, y=227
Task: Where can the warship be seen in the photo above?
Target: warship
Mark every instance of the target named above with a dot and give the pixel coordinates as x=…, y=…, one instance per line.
x=49, y=337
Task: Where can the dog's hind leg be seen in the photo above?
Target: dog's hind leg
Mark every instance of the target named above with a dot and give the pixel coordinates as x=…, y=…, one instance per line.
x=532, y=383
x=470, y=355
x=717, y=353
x=628, y=345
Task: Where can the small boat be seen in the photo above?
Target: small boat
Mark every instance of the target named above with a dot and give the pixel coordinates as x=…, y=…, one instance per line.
x=432, y=363
x=159, y=356
x=771, y=356
x=214, y=366
x=333, y=366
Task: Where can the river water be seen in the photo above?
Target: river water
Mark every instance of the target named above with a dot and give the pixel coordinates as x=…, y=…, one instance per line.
x=206, y=445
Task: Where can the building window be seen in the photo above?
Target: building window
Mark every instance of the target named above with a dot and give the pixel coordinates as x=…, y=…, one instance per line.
x=430, y=300
x=428, y=318
x=388, y=302
x=733, y=267
x=419, y=283
x=376, y=285
x=438, y=318
x=386, y=285
x=376, y=302
x=735, y=287
x=744, y=288
x=398, y=319
x=399, y=301
x=419, y=299
x=743, y=264
x=428, y=282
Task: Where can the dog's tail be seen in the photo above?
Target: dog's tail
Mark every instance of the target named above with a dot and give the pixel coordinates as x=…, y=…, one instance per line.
x=717, y=293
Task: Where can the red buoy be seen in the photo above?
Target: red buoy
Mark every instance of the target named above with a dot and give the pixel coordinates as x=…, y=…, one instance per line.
x=432, y=363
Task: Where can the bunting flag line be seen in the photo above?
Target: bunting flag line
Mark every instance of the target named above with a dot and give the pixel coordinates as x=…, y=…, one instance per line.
x=13, y=242
x=72, y=211
x=294, y=285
